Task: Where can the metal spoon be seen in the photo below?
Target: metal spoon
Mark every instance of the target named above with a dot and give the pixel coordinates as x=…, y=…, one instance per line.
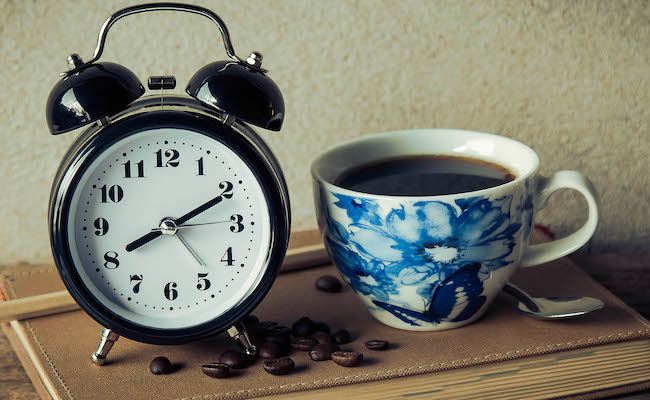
x=552, y=307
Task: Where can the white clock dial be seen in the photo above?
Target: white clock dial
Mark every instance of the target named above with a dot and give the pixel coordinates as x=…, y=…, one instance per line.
x=184, y=277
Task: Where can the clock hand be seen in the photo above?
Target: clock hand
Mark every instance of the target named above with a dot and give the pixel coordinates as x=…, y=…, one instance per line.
x=192, y=225
x=196, y=257
x=198, y=210
x=141, y=241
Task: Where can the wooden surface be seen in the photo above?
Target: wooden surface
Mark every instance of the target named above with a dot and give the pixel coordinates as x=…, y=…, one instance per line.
x=627, y=276
x=37, y=306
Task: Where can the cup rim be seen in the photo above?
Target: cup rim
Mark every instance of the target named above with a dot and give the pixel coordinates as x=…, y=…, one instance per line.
x=374, y=136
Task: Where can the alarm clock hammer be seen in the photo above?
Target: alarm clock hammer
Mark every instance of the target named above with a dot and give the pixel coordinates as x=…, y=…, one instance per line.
x=114, y=180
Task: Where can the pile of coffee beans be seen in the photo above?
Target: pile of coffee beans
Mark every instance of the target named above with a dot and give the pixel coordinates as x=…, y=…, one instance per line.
x=275, y=343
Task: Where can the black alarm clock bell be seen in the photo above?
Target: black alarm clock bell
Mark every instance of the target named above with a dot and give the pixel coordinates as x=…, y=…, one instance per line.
x=169, y=215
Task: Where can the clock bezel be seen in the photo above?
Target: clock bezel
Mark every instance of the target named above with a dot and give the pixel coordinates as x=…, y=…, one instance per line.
x=189, y=115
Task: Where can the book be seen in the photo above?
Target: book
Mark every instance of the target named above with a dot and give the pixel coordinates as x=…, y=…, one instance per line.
x=503, y=355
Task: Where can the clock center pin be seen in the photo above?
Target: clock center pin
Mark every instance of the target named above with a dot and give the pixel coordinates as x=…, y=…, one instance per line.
x=168, y=227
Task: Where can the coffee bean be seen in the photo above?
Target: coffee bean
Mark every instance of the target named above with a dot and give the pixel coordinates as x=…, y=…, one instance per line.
x=234, y=359
x=278, y=330
x=303, y=327
x=328, y=283
x=161, y=366
x=216, y=370
x=257, y=332
x=250, y=320
x=377, y=344
x=342, y=336
x=279, y=366
x=272, y=350
x=347, y=358
x=323, y=351
x=282, y=340
x=303, y=343
x=322, y=337
x=265, y=326
x=321, y=327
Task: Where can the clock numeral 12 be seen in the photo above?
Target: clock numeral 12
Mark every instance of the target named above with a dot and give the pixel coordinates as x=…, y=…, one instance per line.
x=115, y=193
x=127, y=169
x=227, y=257
x=170, y=292
x=173, y=158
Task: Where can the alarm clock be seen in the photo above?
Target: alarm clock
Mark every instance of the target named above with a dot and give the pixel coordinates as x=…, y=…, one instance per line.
x=169, y=215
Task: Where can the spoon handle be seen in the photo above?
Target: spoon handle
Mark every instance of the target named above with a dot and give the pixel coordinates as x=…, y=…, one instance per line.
x=522, y=296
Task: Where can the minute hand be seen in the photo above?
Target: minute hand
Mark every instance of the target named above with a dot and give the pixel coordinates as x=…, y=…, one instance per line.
x=141, y=241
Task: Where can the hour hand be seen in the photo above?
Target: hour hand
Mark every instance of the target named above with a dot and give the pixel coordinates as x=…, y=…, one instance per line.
x=141, y=241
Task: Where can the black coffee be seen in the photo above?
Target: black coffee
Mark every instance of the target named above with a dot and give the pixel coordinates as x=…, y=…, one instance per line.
x=427, y=175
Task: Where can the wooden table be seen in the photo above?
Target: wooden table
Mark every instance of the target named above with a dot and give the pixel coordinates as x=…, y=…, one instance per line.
x=627, y=276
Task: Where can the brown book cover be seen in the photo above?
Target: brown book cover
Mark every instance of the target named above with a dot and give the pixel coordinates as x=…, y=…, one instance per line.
x=503, y=355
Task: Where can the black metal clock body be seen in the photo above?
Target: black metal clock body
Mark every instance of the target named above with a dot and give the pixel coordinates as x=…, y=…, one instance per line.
x=145, y=115
x=169, y=216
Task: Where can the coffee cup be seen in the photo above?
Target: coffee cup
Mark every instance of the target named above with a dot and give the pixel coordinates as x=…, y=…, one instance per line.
x=435, y=262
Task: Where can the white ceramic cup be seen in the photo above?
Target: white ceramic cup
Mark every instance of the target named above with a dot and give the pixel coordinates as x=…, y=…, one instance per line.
x=437, y=262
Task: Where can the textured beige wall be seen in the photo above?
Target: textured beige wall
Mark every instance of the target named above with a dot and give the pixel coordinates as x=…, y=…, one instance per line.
x=569, y=78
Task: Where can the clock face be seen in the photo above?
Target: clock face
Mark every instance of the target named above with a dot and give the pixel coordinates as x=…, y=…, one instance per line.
x=169, y=228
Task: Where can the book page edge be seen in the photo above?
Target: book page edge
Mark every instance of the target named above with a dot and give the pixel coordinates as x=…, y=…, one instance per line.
x=20, y=344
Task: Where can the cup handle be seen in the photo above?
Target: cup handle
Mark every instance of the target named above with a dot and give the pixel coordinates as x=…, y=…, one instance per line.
x=545, y=252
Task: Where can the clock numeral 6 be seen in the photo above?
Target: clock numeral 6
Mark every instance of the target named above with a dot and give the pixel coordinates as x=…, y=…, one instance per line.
x=204, y=283
x=237, y=221
x=170, y=292
x=114, y=193
x=102, y=226
x=227, y=257
x=110, y=260
x=138, y=279
x=173, y=156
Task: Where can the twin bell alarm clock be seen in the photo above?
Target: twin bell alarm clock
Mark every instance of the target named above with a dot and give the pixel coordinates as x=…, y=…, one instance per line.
x=169, y=215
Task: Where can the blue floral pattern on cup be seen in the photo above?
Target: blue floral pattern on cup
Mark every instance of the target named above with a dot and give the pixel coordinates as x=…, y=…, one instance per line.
x=439, y=251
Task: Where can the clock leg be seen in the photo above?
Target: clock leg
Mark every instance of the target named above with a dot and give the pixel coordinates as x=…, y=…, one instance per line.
x=239, y=334
x=108, y=338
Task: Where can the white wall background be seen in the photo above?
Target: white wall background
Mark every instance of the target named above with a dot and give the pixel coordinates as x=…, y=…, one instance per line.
x=571, y=79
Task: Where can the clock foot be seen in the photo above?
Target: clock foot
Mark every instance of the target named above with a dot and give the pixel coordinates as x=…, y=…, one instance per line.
x=108, y=338
x=239, y=334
